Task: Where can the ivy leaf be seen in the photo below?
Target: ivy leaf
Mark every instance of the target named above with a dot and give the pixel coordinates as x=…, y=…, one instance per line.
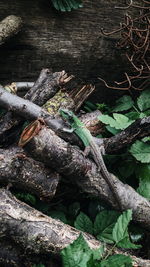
x=103, y=225
x=119, y=122
x=143, y=174
x=141, y=151
x=84, y=223
x=76, y=254
x=117, y=261
x=143, y=101
x=123, y=103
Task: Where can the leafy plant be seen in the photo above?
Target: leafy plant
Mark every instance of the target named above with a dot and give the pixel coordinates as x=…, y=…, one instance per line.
x=81, y=255
x=108, y=226
x=138, y=109
x=138, y=152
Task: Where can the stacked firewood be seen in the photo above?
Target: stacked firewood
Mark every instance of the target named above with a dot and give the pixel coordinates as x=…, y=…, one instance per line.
x=36, y=154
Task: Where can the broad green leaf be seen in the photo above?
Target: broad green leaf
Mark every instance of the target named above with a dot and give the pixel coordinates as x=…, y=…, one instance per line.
x=123, y=103
x=142, y=115
x=143, y=174
x=112, y=130
x=117, y=261
x=121, y=226
x=133, y=115
x=103, y=225
x=126, y=243
x=120, y=231
x=119, y=122
x=98, y=253
x=84, y=223
x=76, y=254
x=143, y=101
x=141, y=151
x=56, y=214
x=146, y=139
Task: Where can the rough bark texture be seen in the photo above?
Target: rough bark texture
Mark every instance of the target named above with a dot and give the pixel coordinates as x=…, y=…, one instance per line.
x=37, y=233
x=69, y=161
x=27, y=174
x=70, y=41
x=8, y=27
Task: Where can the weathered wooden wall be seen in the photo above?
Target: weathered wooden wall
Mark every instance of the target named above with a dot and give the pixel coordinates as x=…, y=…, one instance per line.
x=70, y=41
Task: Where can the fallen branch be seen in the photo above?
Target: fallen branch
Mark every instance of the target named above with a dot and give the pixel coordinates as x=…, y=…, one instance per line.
x=50, y=149
x=9, y=26
x=137, y=130
x=29, y=110
x=25, y=173
x=38, y=234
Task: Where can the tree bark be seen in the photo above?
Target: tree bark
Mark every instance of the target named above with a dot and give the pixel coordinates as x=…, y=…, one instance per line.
x=39, y=234
x=8, y=27
x=69, y=161
x=70, y=41
x=22, y=172
x=138, y=129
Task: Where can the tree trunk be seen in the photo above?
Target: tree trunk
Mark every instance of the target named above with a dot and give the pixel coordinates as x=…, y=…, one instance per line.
x=70, y=41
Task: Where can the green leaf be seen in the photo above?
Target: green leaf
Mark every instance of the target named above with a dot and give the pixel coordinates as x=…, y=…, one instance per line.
x=77, y=254
x=126, y=243
x=141, y=151
x=103, y=225
x=120, y=231
x=97, y=253
x=117, y=261
x=143, y=101
x=133, y=115
x=143, y=174
x=146, y=139
x=123, y=103
x=112, y=130
x=84, y=223
x=120, y=228
x=119, y=122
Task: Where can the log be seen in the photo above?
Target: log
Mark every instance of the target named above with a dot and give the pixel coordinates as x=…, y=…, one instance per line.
x=50, y=149
x=8, y=27
x=138, y=129
x=39, y=234
x=70, y=41
x=22, y=172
